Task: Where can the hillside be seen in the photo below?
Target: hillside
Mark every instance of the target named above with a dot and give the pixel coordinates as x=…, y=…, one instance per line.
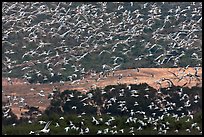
x=130, y=76
x=51, y=41
x=91, y=68
x=135, y=109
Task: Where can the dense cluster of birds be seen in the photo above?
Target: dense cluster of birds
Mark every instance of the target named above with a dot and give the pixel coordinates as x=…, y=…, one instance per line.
x=54, y=41
x=57, y=41
x=143, y=106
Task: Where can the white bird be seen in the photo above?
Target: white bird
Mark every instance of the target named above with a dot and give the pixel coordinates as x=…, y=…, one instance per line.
x=133, y=95
x=104, y=52
x=6, y=113
x=31, y=132
x=139, y=128
x=198, y=128
x=115, y=60
x=66, y=129
x=81, y=132
x=42, y=122
x=188, y=130
x=116, y=67
x=86, y=130
x=57, y=125
x=61, y=118
x=193, y=125
x=45, y=129
x=13, y=124
x=94, y=120
x=99, y=132
x=42, y=95
x=74, y=107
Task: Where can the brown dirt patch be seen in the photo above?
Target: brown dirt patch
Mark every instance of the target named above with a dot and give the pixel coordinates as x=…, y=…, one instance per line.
x=20, y=89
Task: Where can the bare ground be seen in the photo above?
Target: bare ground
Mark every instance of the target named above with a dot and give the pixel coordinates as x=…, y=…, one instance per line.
x=130, y=76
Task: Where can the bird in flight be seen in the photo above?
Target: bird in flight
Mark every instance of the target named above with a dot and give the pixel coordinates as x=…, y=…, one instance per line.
x=45, y=129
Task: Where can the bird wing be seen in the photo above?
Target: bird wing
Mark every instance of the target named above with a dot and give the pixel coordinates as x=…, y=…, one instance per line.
x=7, y=111
x=47, y=125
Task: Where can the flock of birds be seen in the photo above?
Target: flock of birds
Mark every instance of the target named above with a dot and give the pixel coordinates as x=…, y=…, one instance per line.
x=20, y=102
x=144, y=107
x=163, y=31
x=48, y=39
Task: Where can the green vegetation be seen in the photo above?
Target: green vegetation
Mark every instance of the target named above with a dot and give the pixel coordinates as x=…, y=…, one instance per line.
x=86, y=108
x=107, y=37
